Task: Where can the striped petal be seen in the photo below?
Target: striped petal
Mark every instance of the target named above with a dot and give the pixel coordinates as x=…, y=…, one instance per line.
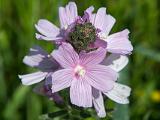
x=80, y=93
x=98, y=103
x=32, y=78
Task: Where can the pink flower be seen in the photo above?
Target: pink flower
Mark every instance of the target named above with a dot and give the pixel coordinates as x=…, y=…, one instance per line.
x=80, y=61
x=38, y=58
x=68, y=16
x=82, y=73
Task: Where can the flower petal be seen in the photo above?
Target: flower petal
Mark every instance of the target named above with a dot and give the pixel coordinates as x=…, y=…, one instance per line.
x=119, y=93
x=103, y=21
x=42, y=37
x=61, y=79
x=101, y=77
x=116, y=62
x=98, y=103
x=66, y=56
x=119, y=43
x=89, y=11
x=108, y=24
x=68, y=14
x=80, y=93
x=32, y=78
x=47, y=29
x=37, y=57
x=100, y=18
x=93, y=57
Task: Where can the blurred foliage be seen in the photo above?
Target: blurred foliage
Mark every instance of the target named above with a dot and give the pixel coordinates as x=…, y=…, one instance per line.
x=17, y=35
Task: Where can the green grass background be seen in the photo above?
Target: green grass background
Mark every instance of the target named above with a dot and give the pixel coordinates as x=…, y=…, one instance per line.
x=17, y=35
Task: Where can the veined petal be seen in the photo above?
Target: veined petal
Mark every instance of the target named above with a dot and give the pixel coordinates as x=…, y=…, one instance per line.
x=108, y=24
x=32, y=78
x=68, y=14
x=101, y=77
x=61, y=79
x=119, y=93
x=119, y=43
x=47, y=29
x=98, y=103
x=116, y=61
x=66, y=56
x=37, y=57
x=80, y=93
x=92, y=18
x=100, y=18
x=93, y=57
x=103, y=21
x=89, y=10
x=42, y=37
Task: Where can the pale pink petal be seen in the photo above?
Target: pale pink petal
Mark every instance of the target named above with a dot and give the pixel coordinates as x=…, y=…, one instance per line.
x=101, y=77
x=63, y=18
x=80, y=93
x=100, y=18
x=47, y=29
x=116, y=61
x=119, y=43
x=93, y=57
x=108, y=24
x=89, y=11
x=42, y=37
x=32, y=78
x=61, y=79
x=71, y=11
x=66, y=56
x=92, y=18
x=37, y=57
x=103, y=21
x=68, y=14
x=119, y=93
x=98, y=103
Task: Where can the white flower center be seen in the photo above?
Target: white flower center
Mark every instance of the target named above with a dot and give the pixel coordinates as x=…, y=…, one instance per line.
x=79, y=71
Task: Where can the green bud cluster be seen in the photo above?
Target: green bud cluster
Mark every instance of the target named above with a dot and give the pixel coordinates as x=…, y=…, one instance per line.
x=81, y=36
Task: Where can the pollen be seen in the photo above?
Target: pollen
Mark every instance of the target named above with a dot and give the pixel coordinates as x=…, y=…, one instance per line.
x=79, y=71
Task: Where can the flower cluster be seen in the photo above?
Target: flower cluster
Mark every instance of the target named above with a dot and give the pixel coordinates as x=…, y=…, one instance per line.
x=87, y=59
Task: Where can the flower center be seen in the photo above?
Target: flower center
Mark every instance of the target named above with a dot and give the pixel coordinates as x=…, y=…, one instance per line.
x=82, y=35
x=79, y=71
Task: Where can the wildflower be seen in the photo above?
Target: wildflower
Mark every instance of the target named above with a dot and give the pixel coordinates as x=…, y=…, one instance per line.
x=80, y=61
x=87, y=32
x=81, y=73
x=38, y=58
